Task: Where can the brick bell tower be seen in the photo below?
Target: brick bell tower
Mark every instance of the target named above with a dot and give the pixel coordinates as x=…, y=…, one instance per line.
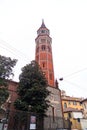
x=43, y=53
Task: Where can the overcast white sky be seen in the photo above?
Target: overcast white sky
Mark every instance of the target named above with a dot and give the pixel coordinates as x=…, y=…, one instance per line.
x=67, y=22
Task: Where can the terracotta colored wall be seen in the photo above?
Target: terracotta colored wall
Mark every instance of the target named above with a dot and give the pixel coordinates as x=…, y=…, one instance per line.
x=13, y=93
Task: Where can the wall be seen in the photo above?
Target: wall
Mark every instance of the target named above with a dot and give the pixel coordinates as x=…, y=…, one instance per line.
x=75, y=124
x=54, y=113
x=74, y=119
x=84, y=103
x=83, y=123
x=77, y=115
x=55, y=102
x=12, y=88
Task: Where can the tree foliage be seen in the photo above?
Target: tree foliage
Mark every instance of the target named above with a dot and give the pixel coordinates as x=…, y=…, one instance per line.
x=32, y=89
x=6, y=65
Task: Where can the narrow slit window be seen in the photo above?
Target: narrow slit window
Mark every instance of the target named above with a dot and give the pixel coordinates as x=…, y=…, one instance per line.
x=43, y=65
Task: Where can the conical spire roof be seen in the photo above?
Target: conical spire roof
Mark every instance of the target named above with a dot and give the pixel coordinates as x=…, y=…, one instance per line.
x=43, y=25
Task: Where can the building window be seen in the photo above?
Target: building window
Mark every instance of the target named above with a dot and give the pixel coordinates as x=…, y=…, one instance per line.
x=65, y=105
x=74, y=103
x=69, y=114
x=78, y=119
x=69, y=102
x=43, y=47
x=43, y=64
x=43, y=31
x=53, y=113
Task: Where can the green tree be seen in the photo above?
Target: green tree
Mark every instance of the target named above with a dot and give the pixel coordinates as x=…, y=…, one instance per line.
x=32, y=89
x=6, y=65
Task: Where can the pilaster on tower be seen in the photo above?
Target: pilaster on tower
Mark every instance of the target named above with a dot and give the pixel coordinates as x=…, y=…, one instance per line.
x=43, y=53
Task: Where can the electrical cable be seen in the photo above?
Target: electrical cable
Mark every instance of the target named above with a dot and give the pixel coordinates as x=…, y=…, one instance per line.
x=74, y=84
x=76, y=72
x=13, y=50
x=76, y=87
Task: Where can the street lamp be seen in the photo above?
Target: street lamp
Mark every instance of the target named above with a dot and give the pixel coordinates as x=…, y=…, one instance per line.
x=61, y=79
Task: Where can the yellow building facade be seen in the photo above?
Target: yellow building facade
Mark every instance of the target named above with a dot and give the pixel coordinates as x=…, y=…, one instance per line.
x=72, y=110
x=71, y=102
x=75, y=122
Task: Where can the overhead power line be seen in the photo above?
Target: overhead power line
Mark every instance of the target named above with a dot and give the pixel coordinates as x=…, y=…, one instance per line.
x=74, y=73
x=72, y=83
x=13, y=50
x=76, y=87
x=18, y=53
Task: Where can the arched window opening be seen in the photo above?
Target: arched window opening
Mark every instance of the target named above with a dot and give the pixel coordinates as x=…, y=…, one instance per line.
x=43, y=47
x=65, y=105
